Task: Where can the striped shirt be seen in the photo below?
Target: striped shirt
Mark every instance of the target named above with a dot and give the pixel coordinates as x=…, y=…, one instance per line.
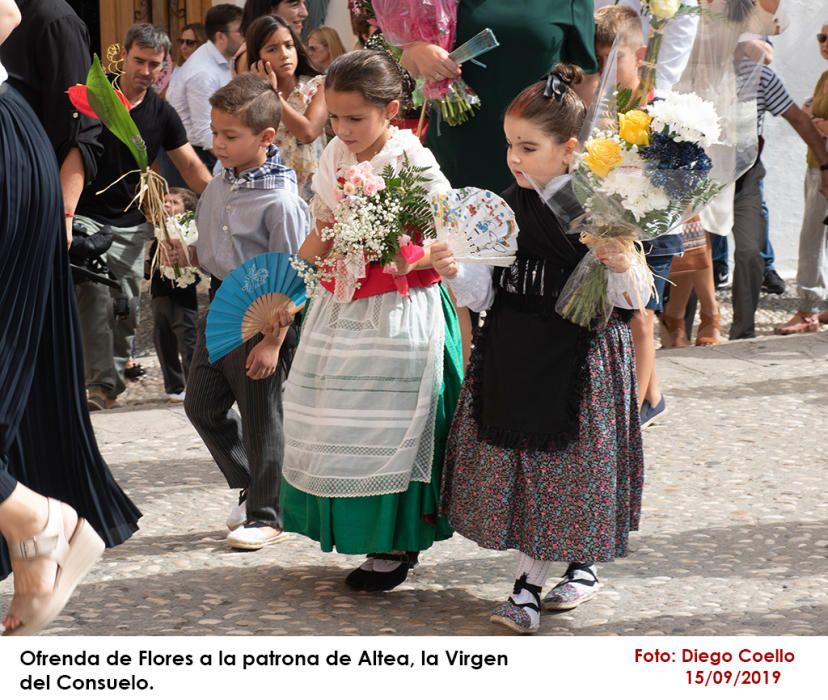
x=771, y=94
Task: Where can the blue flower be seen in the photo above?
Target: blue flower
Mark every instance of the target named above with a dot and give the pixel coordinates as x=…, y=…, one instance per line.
x=677, y=167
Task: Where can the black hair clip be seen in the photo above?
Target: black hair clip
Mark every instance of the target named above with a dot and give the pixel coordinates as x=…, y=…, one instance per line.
x=556, y=86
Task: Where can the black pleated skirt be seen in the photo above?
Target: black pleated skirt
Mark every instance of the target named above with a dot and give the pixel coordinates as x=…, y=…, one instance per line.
x=46, y=438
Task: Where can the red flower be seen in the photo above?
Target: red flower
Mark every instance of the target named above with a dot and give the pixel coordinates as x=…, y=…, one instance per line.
x=80, y=99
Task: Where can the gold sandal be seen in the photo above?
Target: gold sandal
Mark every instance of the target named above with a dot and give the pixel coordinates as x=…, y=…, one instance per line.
x=709, y=327
x=673, y=334
x=74, y=559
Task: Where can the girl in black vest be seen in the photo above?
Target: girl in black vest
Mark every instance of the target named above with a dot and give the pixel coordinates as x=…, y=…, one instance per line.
x=544, y=454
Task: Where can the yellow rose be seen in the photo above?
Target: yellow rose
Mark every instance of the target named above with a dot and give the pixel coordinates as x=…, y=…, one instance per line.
x=602, y=156
x=634, y=127
x=664, y=9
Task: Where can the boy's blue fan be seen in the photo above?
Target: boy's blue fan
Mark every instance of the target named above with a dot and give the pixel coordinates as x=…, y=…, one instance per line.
x=245, y=302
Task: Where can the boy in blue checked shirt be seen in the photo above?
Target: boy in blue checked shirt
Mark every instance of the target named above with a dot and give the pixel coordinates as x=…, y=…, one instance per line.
x=250, y=208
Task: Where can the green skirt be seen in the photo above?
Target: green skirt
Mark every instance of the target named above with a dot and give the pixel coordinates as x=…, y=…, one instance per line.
x=406, y=521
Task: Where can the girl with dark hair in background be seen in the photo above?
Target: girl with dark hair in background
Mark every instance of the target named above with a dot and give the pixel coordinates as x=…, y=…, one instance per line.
x=277, y=54
x=294, y=12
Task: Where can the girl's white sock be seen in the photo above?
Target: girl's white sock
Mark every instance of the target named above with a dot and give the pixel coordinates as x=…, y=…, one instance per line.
x=536, y=572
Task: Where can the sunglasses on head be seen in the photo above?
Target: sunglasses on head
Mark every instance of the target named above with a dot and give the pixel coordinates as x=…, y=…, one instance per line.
x=188, y=42
x=822, y=38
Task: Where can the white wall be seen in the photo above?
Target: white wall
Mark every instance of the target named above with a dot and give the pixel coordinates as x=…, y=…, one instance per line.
x=799, y=65
x=340, y=19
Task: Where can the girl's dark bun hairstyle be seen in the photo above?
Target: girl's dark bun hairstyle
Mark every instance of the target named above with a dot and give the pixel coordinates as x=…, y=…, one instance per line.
x=552, y=104
x=373, y=74
x=257, y=35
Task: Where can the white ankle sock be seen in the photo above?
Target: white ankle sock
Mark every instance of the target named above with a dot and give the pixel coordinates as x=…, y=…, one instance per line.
x=536, y=572
x=583, y=588
x=383, y=566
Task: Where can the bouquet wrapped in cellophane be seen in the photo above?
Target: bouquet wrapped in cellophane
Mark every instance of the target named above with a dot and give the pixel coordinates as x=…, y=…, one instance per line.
x=405, y=22
x=377, y=217
x=642, y=170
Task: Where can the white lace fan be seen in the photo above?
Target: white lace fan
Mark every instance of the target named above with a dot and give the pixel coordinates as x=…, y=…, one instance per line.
x=478, y=224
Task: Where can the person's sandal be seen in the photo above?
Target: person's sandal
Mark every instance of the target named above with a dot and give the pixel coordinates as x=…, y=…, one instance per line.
x=74, y=559
x=566, y=596
x=673, y=333
x=97, y=400
x=709, y=330
x=799, y=323
x=513, y=615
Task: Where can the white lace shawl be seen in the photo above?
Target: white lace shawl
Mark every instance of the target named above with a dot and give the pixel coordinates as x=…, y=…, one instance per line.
x=336, y=156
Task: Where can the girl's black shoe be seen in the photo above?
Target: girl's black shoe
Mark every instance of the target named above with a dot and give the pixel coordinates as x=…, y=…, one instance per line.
x=362, y=579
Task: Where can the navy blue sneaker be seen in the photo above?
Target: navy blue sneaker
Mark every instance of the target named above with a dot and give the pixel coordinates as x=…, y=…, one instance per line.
x=650, y=413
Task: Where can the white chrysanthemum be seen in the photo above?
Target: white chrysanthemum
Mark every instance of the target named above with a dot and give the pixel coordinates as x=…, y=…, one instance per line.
x=637, y=194
x=687, y=117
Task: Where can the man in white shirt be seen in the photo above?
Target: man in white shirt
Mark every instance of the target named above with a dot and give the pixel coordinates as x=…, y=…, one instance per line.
x=206, y=71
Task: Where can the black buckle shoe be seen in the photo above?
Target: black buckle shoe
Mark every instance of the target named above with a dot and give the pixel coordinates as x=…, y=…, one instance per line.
x=373, y=581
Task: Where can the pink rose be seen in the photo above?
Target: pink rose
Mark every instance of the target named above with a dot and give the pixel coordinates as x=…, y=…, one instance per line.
x=349, y=189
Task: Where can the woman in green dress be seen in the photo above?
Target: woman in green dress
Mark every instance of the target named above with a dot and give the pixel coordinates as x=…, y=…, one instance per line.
x=534, y=35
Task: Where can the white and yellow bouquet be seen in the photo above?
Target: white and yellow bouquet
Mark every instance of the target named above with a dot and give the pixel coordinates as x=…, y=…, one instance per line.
x=640, y=174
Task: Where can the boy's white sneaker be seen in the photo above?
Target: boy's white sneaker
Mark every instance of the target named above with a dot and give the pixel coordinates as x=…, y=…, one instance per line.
x=255, y=535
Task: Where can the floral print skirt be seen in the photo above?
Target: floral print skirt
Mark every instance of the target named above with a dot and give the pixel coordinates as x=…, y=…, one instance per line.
x=578, y=503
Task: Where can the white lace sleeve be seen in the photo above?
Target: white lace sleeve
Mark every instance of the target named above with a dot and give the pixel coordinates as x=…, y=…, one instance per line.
x=631, y=289
x=324, y=183
x=320, y=211
x=310, y=87
x=472, y=288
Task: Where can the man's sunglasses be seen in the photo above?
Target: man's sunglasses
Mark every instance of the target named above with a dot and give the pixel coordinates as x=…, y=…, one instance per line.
x=822, y=38
x=188, y=42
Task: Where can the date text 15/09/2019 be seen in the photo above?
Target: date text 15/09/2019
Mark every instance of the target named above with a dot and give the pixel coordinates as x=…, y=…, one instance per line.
x=764, y=664
x=714, y=658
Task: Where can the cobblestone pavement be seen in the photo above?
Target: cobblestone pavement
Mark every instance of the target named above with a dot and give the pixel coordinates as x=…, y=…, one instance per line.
x=734, y=534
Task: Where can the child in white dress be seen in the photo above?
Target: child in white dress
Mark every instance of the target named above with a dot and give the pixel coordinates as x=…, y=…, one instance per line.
x=375, y=379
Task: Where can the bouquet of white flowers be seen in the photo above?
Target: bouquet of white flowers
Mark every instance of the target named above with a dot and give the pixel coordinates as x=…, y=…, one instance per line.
x=638, y=177
x=182, y=228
